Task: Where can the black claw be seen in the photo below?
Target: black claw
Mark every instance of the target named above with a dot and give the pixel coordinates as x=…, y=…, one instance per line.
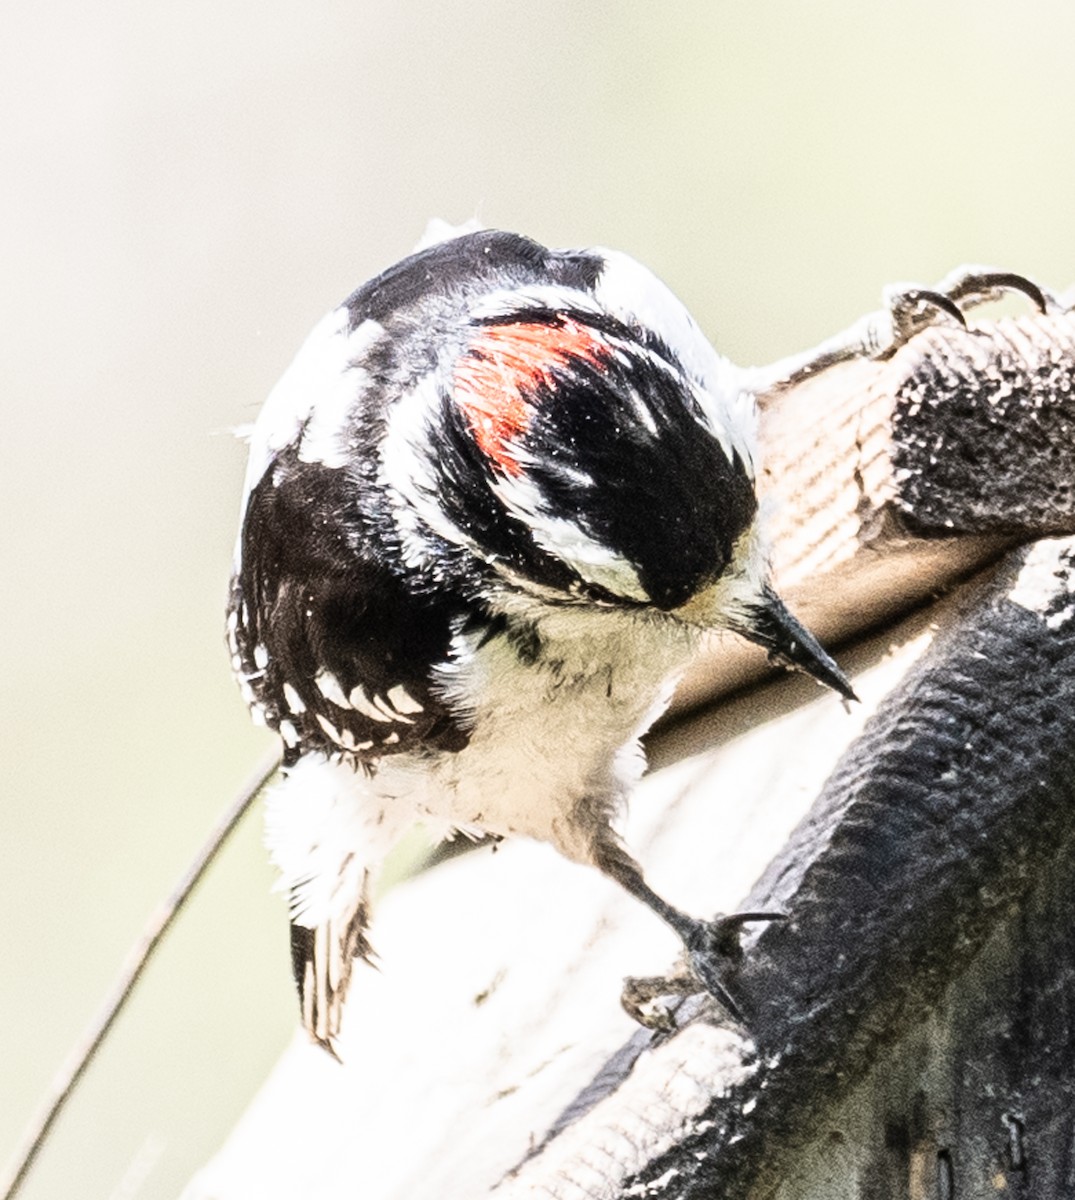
x=713, y=945
x=1007, y=281
x=722, y=934
x=938, y=300
x=737, y=919
x=732, y=926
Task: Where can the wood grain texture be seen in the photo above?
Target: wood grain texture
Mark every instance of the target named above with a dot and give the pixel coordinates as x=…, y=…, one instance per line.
x=885, y=482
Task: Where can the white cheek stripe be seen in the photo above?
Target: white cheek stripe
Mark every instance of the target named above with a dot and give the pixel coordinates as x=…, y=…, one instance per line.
x=564, y=539
x=406, y=471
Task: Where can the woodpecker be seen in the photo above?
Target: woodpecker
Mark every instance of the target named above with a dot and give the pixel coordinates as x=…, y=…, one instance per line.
x=489, y=511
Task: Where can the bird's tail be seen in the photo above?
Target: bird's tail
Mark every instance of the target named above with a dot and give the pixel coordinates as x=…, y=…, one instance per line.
x=322, y=959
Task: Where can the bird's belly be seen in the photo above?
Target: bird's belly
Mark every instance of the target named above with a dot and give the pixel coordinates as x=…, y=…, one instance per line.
x=552, y=748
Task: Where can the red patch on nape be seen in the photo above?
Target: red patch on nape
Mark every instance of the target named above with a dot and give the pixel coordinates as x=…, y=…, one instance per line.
x=496, y=379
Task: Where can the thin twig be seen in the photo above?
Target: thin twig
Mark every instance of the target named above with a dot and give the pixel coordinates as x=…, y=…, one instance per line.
x=135, y=963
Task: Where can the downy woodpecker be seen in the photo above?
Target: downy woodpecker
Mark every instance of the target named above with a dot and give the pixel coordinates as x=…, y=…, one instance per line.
x=489, y=511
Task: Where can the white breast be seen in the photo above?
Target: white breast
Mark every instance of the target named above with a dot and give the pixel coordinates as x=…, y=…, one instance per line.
x=555, y=744
x=552, y=755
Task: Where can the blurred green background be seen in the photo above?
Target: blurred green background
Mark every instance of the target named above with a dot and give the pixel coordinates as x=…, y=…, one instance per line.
x=185, y=190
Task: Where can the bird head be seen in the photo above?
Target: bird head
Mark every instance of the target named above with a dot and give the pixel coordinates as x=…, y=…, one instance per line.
x=573, y=433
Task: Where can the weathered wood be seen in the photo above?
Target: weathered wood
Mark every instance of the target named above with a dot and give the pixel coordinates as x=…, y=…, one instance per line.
x=887, y=481
x=978, y=1099
x=982, y=430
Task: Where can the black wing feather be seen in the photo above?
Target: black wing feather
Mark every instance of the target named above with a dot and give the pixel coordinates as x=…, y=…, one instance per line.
x=327, y=637
x=318, y=594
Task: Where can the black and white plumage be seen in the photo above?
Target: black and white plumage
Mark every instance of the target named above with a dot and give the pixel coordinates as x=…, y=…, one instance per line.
x=488, y=511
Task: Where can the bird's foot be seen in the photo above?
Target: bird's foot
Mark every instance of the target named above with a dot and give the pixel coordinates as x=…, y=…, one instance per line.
x=711, y=950
x=970, y=286
x=911, y=309
x=652, y=1000
x=714, y=946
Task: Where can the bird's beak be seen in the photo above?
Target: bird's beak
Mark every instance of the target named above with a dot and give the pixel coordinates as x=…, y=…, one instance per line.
x=772, y=626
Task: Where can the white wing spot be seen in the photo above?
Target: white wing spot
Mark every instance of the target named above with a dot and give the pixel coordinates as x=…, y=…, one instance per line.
x=329, y=687
x=289, y=733
x=402, y=700
x=329, y=729
x=360, y=701
x=390, y=713
x=261, y=657
x=294, y=701
x=392, y=737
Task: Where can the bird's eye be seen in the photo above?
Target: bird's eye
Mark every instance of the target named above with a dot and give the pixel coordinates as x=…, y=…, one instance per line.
x=594, y=593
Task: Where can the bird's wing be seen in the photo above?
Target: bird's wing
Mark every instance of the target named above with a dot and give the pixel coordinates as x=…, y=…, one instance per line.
x=335, y=652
